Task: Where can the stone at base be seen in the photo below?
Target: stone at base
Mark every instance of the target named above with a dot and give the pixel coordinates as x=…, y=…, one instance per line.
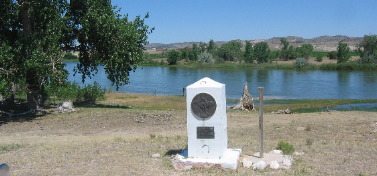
x=228, y=160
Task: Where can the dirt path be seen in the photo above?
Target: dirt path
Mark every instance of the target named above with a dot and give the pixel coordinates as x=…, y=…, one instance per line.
x=115, y=141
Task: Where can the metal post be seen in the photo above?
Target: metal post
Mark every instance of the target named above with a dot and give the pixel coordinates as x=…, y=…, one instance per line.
x=261, y=120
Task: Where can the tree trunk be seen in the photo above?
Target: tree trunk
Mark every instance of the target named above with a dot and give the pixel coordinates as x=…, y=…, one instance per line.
x=246, y=101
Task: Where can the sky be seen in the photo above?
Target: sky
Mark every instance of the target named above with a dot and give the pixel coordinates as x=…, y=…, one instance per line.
x=225, y=20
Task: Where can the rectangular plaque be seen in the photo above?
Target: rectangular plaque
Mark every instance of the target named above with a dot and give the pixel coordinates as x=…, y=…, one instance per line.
x=205, y=132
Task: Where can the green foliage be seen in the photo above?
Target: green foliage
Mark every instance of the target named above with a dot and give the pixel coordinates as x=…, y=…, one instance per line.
x=368, y=49
x=319, y=58
x=274, y=55
x=343, y=53
x=287, y=52
x=301, y=62
x=73, y=92
x=206, y=58
x=332, y=55
x=304, y=50
x=34, y=35
x=230, y=51
x=173, y=57
x=261, y=52
x=70, y=56
x=91, y=93
x=287, y=148
x=349, y=66
x=211, y=47
x=249, y=53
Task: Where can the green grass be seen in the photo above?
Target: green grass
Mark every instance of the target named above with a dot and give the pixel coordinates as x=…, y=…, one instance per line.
x=308, y=105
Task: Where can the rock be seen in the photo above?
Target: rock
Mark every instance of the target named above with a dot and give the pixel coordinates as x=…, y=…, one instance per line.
x=287, y=111
x=287, y=161
x=65, y=107
x=299, y=153
x=274, y=165
x=247, y=163
x=300, y=128
x=280, y=112
x=156, y=155
x=260, y=165
x=277, y=152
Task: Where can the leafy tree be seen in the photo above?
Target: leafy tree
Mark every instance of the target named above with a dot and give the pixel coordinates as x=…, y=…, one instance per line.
x=261, y=52
x=173, y=57
x=332, y=55
x=305, y=50
x=35, y=33
x=285, y=43
x=249, y=54
x=230, y=51
x=343, y=53
x=203, y=47
x=368, y=49
x=286, y=51
x=211, y=46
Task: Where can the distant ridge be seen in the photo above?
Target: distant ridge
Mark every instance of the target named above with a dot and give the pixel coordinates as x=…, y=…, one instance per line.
x=325, y=43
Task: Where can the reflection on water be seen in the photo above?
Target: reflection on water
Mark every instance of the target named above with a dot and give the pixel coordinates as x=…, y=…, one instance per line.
x=290, y=84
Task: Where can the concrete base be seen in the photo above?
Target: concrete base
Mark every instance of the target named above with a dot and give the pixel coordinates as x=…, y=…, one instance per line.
x=228, y=160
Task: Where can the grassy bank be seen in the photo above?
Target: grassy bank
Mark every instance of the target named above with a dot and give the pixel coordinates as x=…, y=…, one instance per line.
x=151, y=102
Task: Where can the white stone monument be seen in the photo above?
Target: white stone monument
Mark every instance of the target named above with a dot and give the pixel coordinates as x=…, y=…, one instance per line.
x=207, y=124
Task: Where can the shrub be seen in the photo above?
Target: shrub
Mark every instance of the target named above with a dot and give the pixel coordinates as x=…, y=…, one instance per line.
x=91, y=93
x=73, y=92
x=285, y=147
x=206, y=58
x=301, y=62
x=319, y=58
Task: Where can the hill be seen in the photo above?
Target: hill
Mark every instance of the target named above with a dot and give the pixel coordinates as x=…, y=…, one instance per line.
x=322, y=43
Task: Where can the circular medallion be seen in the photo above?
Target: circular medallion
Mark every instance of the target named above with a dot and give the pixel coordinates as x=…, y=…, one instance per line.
x=203, y=105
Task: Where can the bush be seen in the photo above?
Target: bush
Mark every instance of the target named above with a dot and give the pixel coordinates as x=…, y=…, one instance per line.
x=73, y=92
x=285, y=147
x=91, y=93
x=301, y=62
x=206, y=58
x=319, y=58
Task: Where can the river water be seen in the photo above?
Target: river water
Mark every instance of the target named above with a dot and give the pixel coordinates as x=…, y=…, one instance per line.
x=287, y=84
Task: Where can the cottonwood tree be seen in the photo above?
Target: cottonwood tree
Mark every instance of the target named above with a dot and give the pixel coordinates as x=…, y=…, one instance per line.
x=261, y=52
x=34, y=34
x=368, y=49
x=249, y=53
x=343, y=52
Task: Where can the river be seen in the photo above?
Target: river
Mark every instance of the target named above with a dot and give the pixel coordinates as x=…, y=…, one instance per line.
x=278, y=84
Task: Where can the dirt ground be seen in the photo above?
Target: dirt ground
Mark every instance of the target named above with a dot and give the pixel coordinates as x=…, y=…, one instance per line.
x=121, y=141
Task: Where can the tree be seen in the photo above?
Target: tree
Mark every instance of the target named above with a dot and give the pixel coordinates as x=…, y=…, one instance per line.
x=305, y=50
x=173, y=57
x=230, y=51
x=261, y=52
x=34, y=35
x=368, y=49
x=249, y=54
x=286, y=51
x=343, y=53
x=211, y=46
x=332, y=55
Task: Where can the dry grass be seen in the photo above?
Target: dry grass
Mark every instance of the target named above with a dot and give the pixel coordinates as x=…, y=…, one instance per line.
x=120, y=141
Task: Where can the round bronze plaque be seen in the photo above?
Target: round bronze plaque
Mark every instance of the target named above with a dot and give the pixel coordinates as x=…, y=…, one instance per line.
x=203, y=105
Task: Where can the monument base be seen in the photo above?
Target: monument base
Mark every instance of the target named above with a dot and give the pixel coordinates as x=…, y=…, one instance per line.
x=228, y=160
